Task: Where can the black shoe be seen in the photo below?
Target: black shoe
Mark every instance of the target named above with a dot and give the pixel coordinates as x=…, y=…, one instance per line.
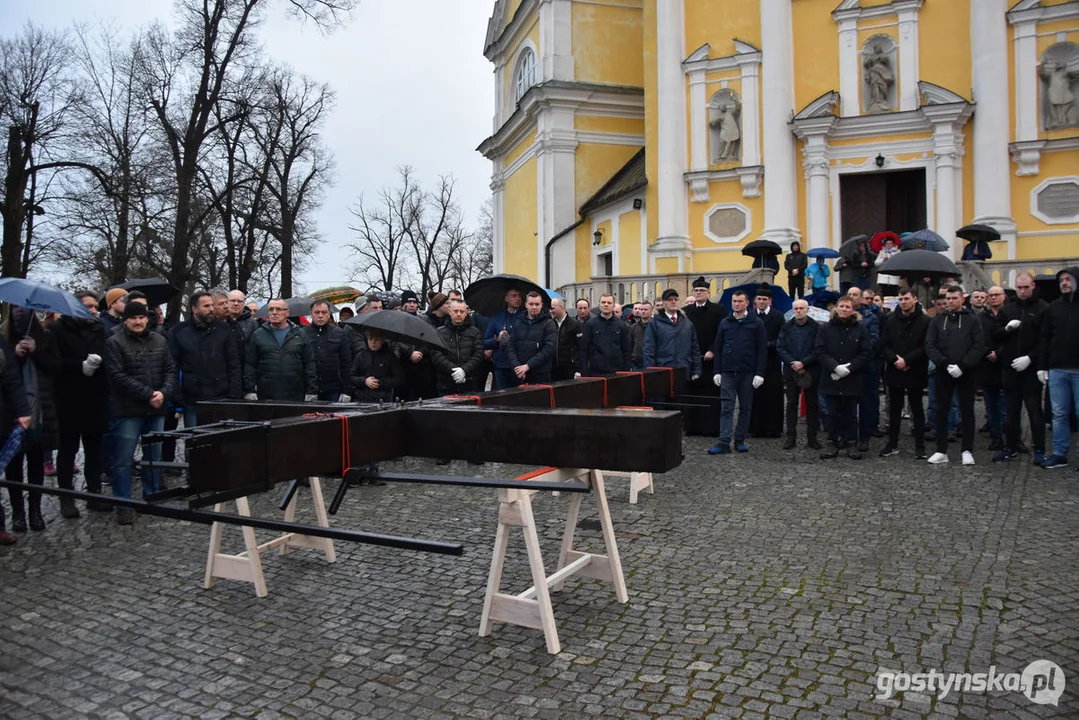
x=814, y=444
x=37, y=523
x=984, y=429
x=68, y=509
x=919, y=453
x=888, y=451
x=789, y=443
x=853, y=454
x=125, y=516
x=830, y=453
x=98, y=506
x=996, y=444
x=877, y=432
x=863, y=446
x=18, y=522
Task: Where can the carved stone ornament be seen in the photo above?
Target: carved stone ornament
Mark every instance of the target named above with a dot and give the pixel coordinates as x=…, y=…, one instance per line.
x=725, y=126
x=1059, y=71
x=878, y=74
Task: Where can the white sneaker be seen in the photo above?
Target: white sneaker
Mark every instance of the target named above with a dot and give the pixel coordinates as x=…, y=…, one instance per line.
x=968, y=457
x=938, y=458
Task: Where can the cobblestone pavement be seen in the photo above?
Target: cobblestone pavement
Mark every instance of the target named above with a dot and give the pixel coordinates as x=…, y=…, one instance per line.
x=764, y=584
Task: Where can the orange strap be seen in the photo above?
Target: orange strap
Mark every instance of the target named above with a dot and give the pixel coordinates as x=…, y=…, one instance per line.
x=635, y=407
x=550, y=389
x=634, y=372
x=670, y=371
x=477, y=398
x=535, y=473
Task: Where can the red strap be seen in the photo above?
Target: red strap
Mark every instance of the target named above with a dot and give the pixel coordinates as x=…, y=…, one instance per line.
x=635, y=407
x=634, y=372
x=670, y=371
x=549, y=388
x=535, y=473
x=477, y=398
x=346, y=444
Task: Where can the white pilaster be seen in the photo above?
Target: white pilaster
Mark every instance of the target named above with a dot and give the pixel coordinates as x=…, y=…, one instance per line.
x=989, y=57
x=556, y=39
x=908, y=58
x=849, y=61
x=777, y=78
x=814, y=133
x=672, y=217
x=556, y=208
x=698, y=122
x=751, y=116
x=1027, y=152
x=500, y=94
x=948, y=121
x=498, y=252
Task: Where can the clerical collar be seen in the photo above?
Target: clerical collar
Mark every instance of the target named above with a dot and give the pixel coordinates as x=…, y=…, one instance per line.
x=765, y=311
x=701, y=304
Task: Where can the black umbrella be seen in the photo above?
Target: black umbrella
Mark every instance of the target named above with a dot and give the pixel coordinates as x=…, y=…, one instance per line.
x=399, y=325
x=297, y=307
x=488, y=296
x=157, y=291
x=978, y=233
x=919, y=264
x=850, y=246
x=762, y=248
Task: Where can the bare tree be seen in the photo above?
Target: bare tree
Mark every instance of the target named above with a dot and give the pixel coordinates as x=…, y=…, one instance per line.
x=475, y=257
x=381, y=244
x=435, y=233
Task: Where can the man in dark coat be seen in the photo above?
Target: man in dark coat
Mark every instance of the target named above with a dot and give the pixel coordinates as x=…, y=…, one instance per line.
x=376, y=371
x=767, y=418
x=14, y=410
x=567, y=342
x=279, y=364
x=333, y=355
x=206, y=356
x=705, y=316
x=740, y=354
x=142, y=379
x=797, y=348
x=990, y=370
x=906, y=370
x=416, y=359
x=843, y=351
x=869, y=399
x=241, y=321
x=531, y=348
x=670, y=339
x=497, y=337
x=955, y=345
x=605, y=342
x=637, y=332
x=1058, y=362
x=458, y=368
x=795, y=263
x=1017, y=334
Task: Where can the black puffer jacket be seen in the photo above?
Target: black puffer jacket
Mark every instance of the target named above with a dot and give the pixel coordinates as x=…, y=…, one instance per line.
x=1060, y=330
x=955, y=338
x=208, y=361
x=382, y=365
x=532, y=343
x=465, y=343
x=843, y=341
x=138, y=365
x=903, y=336
x=606, y=346
x=1026, y=338
x=279, y=372
x=13, y=403
x=333, y=358
x=82, y=402
x=38, y=370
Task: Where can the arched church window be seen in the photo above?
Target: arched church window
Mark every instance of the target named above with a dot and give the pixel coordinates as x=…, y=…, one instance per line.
x=524, y=75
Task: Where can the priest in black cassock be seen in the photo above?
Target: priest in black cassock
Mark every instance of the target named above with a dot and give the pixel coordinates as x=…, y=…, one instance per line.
x=767, y=417
x=705, y=316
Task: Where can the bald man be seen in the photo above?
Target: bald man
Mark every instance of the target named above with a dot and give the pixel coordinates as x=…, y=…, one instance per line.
x=796, y=348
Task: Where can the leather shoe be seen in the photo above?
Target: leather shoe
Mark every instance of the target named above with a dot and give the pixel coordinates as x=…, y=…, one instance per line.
x=830, y=453
x=788, y=444
x=125, y=516
x=18, y=522
x=814, y=444
x=853, y=454
x=7, y=538
x=863, y=446
x=68, y=509
x=98, y=506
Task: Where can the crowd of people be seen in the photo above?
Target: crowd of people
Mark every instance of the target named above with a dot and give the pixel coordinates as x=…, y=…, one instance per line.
x=105, y=381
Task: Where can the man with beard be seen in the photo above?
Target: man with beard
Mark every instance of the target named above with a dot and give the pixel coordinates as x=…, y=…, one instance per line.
x=206, y=356
x=767, y=418
x=705, y=316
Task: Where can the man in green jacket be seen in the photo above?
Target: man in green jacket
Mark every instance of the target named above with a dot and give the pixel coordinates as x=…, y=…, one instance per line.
x=278, y=362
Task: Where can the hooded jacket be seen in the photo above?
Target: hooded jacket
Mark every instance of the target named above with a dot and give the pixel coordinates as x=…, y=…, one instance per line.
x=1026, y=339
x=955, y=338
x=667, y=344
x=741, y=345
x=796, y=260
x=208, y=360
x=532, y=343
x=1059, y=349
x=840, y=342
x=137, y=365
x=465, y=343
x=606, y=346
x=903, y=336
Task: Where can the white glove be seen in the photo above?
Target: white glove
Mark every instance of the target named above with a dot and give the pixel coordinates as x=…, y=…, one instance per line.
x=94, y=359
x=1021, y=363
x=842, y=370
x=251, y=396
x=837, y=377
x=954, y=371
x=344, y=398
x=576, y=376
x=1043, y=376
x=458, y=375
x=310, y=398
x=695, y=378
x=757, y=381
x=1013, y=325
x=717, y=379
x=88, y=367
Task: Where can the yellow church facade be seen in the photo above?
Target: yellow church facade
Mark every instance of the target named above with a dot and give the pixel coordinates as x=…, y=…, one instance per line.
x=655, y=138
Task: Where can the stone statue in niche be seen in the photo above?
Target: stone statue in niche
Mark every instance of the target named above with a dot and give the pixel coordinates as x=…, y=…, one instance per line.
x=879, y=73
x=725, y=125
x=1059, y=71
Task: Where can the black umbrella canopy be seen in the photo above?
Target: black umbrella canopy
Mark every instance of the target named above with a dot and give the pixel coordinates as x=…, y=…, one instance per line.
x=850, y=246
x=157, y=290
x=399, y=325
x=919, y=263
x=978, y=233
x=297, y=307
x=488, y=296
x=761, y=248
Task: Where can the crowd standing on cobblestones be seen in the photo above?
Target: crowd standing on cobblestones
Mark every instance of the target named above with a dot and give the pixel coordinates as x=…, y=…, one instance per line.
x=104, y=382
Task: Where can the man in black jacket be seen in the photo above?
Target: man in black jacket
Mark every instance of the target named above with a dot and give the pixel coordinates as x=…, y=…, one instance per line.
x=206, y=356
x=1017, y=332
x=990, y=376
x=278, y=363
x=1058, y=362
x=567, y=341
x=955, y=344
x=142, y=378
x=458, y=368
x=333, y=355
x=605, y=342
x=705, y=316
x=767, y=417
x=532, y=342
x=797, y=348
x=906, y=369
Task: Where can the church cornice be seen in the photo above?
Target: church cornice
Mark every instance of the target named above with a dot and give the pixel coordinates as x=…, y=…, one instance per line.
x=498, y=42
x=1032, y=11
x=853, y=10
x=699, y=60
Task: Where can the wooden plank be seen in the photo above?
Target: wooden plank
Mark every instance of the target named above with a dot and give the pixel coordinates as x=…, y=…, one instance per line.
x=515, y=611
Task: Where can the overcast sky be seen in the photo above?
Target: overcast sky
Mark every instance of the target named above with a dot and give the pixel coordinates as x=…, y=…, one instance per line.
x=412, y=88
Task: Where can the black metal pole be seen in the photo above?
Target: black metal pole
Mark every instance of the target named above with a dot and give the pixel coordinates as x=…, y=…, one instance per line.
x=206, y=518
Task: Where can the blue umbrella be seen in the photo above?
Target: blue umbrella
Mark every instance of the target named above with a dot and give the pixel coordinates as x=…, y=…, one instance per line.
x=822, y=298
x=781, y=301
x=823, y=252
x=12, y=446
x=35, y=295
x=552, y=294
x=925, y=240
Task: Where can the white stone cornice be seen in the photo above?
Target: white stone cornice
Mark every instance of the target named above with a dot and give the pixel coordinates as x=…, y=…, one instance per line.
x=1032, y=11
x=812, y=127
x=750, y=178
x=505, y=40
x=872, y=126
x=699, y=62
x=937, y=95
x=821, y=107
x=851, y=9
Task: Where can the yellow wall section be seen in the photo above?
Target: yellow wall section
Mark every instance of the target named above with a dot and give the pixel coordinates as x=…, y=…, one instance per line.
x=666, y=265
x=517, y=151
x=583, y=252
x=595, y=165
x=607, y=44
x=629, y=243
x=944, y=44
x=608, y=124
x=1052, y=165
x=718, y=22
x=520, y=221
x=816, y=50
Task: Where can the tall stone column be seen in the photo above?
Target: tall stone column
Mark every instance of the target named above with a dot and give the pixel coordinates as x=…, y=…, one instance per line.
x=673, y=219
x=989, y=58
x=780, y=151
x=814, y=133
x=948, y=121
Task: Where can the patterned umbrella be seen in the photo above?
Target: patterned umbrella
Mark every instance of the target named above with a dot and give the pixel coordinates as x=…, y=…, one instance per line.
x=925, y=240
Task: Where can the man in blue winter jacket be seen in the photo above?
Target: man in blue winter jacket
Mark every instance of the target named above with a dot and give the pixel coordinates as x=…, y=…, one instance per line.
x=498, y=336
x=741, y=352
x=670, y=339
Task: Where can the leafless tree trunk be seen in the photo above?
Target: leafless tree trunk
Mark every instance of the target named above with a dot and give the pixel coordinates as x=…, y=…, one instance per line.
x=381, y=243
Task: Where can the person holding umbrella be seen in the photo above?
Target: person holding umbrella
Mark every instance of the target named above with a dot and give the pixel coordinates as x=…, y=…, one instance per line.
x=888, y=284
x=796, y=263
x=14, y=411
x=498, y=337
x=376, y=371
x=818, y=274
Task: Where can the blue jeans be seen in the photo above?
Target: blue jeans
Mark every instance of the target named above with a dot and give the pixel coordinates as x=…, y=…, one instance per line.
x=735, y=387
x=191, y=418
x=505, y=378
x=1064, y=394
x=128, y=432
x=994, y=409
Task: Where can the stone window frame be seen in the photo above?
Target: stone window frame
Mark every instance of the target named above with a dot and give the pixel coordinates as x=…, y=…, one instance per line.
x=1061, y=180
x=720, y=240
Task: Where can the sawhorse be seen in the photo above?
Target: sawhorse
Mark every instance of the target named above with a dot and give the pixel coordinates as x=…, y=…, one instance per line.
x=247, y=566
x=532, y=608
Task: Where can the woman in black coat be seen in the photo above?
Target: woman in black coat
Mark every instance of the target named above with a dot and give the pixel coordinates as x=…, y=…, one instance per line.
x=13, y=410
x=844, y=351
x=795, y=264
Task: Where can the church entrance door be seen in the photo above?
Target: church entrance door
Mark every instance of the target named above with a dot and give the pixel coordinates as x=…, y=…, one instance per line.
x=892, y=200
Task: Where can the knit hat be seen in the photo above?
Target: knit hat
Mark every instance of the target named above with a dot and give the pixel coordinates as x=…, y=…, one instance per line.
x=700, y=283
x=435, y=299
x=113, y=295
x=135, y=309
x=409, y=296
